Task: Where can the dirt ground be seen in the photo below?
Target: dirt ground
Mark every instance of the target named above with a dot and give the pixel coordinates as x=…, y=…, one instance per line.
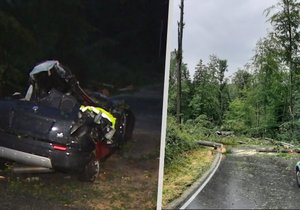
x=128, y=179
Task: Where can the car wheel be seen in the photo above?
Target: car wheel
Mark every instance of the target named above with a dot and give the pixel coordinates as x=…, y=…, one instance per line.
x=126, y=126
x=91, y=170
x=298, y=177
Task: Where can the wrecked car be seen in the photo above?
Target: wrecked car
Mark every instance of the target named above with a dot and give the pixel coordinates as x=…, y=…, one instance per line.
x=57, y=125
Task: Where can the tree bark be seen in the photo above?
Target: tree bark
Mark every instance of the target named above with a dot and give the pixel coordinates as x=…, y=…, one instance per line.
x=209, y=144
x=275, y=150
x=179, y=63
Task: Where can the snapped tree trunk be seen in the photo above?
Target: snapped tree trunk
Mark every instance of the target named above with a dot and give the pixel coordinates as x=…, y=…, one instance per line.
x=179, y=63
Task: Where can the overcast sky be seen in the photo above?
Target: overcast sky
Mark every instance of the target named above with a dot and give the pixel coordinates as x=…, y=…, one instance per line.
x=229, y=29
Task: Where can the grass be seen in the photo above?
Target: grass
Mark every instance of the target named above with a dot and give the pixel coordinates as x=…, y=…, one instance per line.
x=184, y=171
x=122, y=184
x=288, y=155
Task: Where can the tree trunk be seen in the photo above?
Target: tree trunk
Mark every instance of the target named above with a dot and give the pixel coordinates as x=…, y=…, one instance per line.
x=209, y=144
x=179, y=63
x=275, y=150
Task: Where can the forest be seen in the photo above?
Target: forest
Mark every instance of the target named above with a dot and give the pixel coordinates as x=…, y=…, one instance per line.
x=119, y=42
x=261, y=100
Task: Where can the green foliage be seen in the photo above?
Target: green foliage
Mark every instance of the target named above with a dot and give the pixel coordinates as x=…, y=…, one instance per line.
x=172, y=85
x=235, y=117
x=210, y=92
x=262, y=108
x=181, y=138
x=199, y=127
x=177, y=140
x=186, y=88
x=242, y=82
x=262, y=99
x=286, y=23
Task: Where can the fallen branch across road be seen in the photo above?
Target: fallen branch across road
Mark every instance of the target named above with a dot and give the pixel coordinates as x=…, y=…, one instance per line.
x=277, y=150
x=284, y=144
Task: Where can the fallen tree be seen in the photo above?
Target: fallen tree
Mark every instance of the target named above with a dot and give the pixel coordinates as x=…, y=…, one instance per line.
x=281, y=143
x=278, y=150
x=217, y=146
x=209, y=144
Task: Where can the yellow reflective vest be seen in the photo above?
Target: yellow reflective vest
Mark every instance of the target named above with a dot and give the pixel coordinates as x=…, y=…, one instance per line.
x=105, y=114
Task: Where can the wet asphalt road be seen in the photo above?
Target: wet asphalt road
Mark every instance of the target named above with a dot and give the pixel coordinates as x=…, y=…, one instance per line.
x=251, y=181
x=146, y=105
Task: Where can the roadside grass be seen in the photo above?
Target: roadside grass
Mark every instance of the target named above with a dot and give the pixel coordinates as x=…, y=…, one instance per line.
x=289, y=155
x=122, y=184
x=183, y=171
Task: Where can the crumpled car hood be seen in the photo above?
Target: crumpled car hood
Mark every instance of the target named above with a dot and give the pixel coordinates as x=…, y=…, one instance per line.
x=46, y=66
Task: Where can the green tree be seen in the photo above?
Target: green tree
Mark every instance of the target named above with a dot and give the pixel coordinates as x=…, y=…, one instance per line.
x=210, y=90
x=204, y=100
x=286, y=22
x=242, y=82
x=185, y=90
x=172, y=85
x=223, y=89
x=179, y=64
x=240, y=114
x=236, y=116
x=269, y=90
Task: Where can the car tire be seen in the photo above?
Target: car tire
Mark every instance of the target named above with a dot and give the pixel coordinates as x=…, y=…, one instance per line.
x=298, y=177
x=125, y=128
x=91, y=170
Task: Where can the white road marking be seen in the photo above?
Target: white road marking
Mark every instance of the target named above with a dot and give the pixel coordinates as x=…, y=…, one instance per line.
x=202, y=186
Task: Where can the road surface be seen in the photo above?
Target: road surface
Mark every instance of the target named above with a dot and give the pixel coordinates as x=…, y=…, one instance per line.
x=247, y=181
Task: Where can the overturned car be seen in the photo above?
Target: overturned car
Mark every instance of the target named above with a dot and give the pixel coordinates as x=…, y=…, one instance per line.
x=57, y=125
